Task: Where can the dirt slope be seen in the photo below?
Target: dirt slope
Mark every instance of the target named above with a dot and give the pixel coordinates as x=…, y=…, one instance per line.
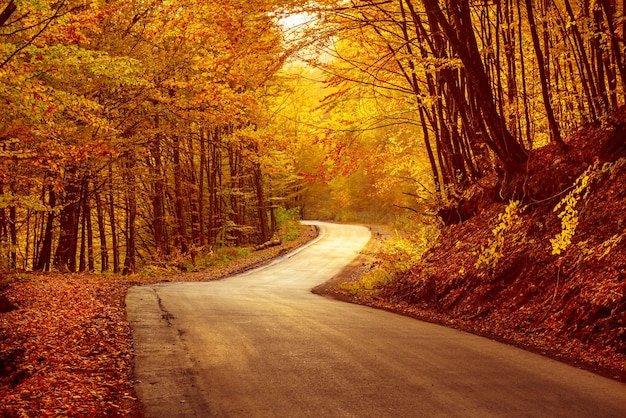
x=572, y=305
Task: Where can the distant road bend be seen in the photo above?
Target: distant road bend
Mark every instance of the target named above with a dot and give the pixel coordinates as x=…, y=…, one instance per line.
x=260, y=344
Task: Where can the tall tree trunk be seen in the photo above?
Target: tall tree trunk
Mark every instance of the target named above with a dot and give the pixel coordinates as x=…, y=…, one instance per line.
x=587, y=75
x=264, y=228
x=65, y=254
x=4, y=238
x=86, y=260
x=91, y=265
x=113, y=222
x=192, y=190
x=215, y=185
x=179, y=199
x=414, y=83
x=463, y=42
x=7, y=12
x=27, y=239
x=130, y=193
x=82, y=263
x=236, y=191
x=555, y=133
x=597, y=49
x=201, y=178
x=609, y=11
x=12, y=237
x=38, y=229
x=158, y=199
x=429, y=150
x=9, y=229
x=45, y=253
x=104, y=252
x=525, y=99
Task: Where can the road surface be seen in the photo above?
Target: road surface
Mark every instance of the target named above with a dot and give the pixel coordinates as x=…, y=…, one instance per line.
x=260, y=344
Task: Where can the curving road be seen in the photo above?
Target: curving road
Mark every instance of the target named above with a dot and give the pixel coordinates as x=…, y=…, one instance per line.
x=260, y=344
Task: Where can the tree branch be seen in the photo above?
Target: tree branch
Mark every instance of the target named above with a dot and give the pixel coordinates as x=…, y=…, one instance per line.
x=31, y=40
x=407, y=208
x=7, y=12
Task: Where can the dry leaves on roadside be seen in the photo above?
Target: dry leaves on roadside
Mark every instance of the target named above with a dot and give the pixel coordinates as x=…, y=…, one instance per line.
x=64, y=351
x=67, y=349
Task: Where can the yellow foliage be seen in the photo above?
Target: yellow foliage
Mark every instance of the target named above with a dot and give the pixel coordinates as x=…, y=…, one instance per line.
x=492, y=253
x=404, y=252
x=569, y=214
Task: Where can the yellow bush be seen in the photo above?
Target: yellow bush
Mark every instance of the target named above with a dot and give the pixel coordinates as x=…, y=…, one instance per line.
x=568, y=206
x=492, y=253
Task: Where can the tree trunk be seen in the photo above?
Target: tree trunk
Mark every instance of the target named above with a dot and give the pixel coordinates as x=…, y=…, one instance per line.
x=90, y=254
x=131, y=213
x=179, y=199
x=463, y=42
x=597, y=49
x=201, y=178
x=45, y=253
x=264, y=228
x=525, y=99
x=413, y=82
x=214, y=185
x=236, y=191
x=113, y=222
x=192, y=191
x=3, y=231
x=609, y=11
x=12, y=237
x=555, y=134
x=158, y=200
x=65, y=255
x=587, y=74
x=8, y=11
x=104, y=253
x=82, y=263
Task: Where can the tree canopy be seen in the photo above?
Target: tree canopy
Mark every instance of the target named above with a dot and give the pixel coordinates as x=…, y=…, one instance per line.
x=147, y=132
x=130, y=130
x=481, y=83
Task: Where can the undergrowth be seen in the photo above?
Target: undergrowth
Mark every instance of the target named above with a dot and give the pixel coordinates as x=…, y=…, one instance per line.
x=222, y=256
x=396, y=255
x=288, y=222
x=494, y=250
x=289, y=229
x=569, y=206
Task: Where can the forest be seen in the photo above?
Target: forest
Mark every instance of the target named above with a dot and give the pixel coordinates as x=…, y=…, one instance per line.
x=145, y=132
x=481, y=140
x=135, y=132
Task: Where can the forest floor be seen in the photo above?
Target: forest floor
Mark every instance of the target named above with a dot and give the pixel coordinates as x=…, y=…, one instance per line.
x=569, y=306
x=66, y=347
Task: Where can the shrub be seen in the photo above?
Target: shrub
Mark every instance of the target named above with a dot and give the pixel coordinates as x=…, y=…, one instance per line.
x=288, y=223
x=568, y=206
x=492, y=253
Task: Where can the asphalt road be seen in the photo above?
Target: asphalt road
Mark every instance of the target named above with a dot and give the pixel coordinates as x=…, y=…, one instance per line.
x=261, y=344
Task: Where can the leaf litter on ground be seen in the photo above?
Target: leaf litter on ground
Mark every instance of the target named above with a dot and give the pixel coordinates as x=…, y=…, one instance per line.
x=67, y=348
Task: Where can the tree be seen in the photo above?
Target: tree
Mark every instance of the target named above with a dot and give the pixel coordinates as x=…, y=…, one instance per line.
x=555, y=132
x=449, y=56
x=90, y=88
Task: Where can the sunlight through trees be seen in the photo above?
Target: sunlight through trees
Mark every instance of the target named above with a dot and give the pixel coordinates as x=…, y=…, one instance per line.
x=152, y=131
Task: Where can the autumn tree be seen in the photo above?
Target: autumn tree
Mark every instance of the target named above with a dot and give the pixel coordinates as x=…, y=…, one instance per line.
x=123, y=122
x=473, y=72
